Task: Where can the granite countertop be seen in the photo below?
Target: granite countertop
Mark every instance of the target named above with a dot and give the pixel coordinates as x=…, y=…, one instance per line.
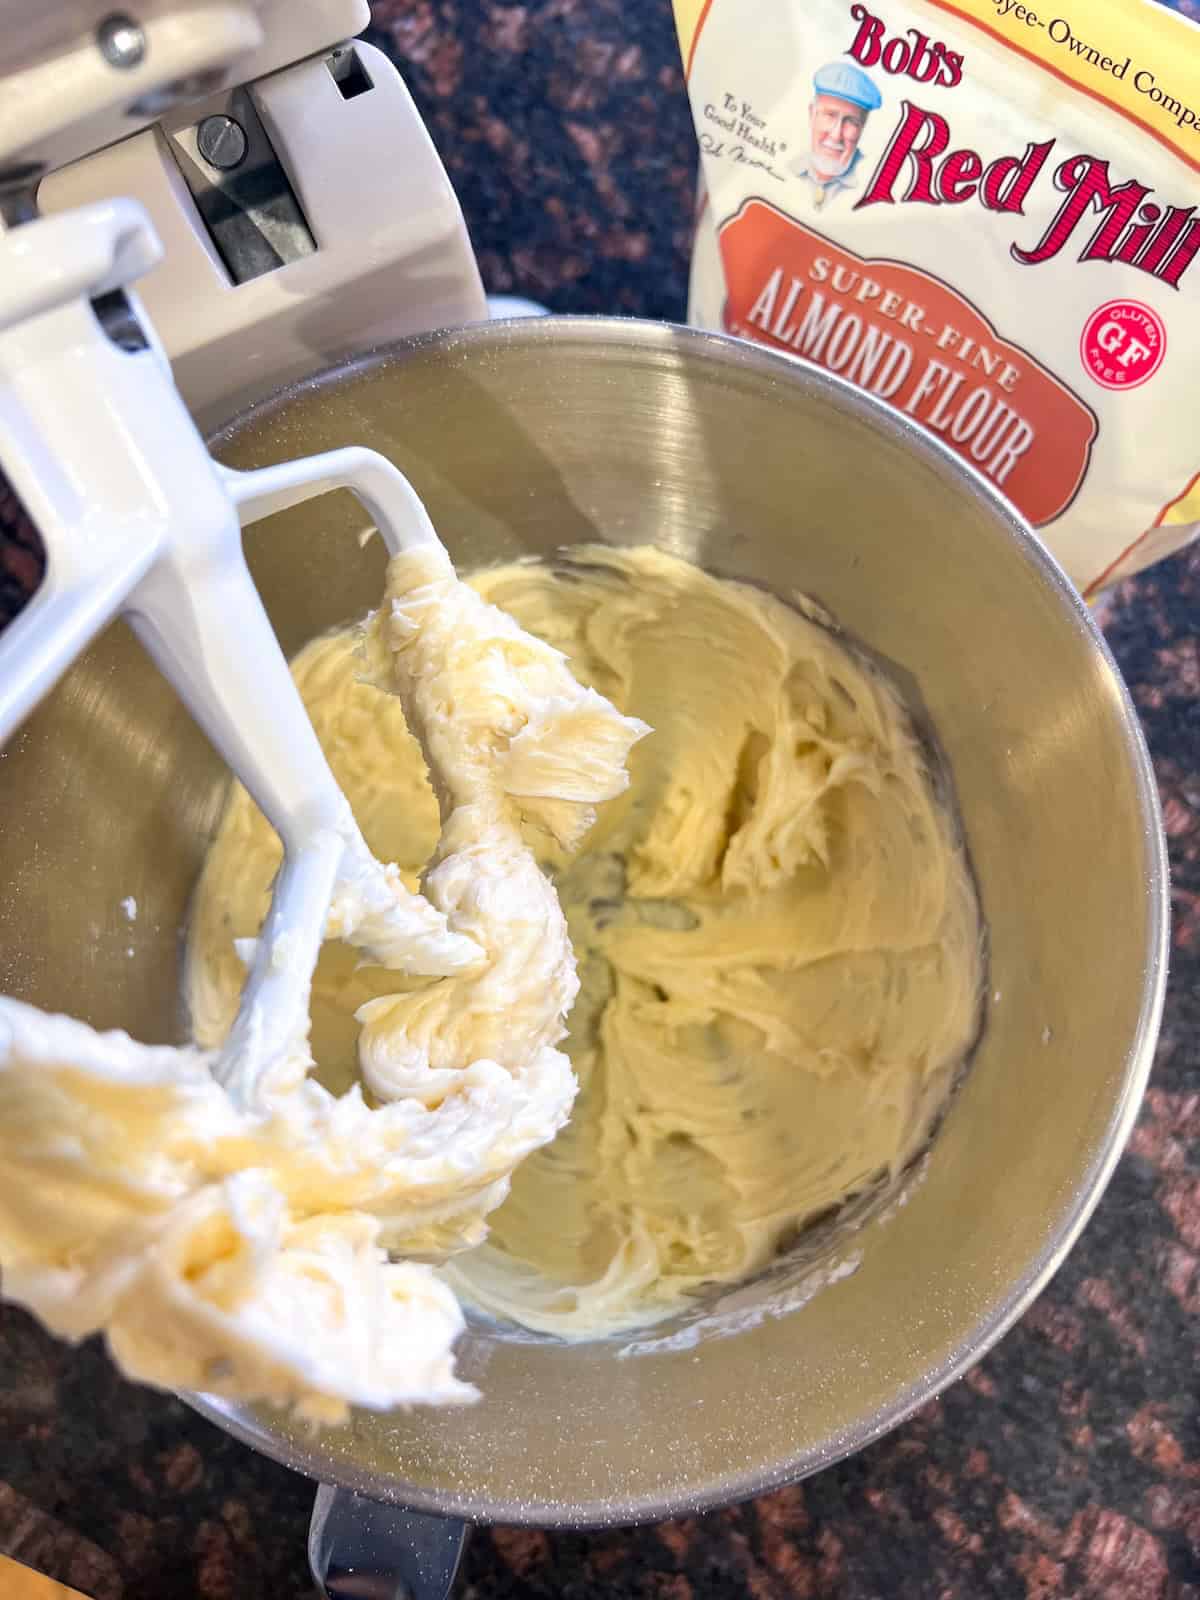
x=1067, y=1464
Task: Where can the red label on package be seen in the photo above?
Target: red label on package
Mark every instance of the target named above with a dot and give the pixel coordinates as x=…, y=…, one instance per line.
x=902, y=334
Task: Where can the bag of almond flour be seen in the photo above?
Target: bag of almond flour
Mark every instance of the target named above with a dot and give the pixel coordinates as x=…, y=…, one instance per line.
x=985, y=213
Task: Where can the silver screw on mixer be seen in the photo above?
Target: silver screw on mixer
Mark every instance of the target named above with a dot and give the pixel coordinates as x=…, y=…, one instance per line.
x=121, y=41
x=222, y=142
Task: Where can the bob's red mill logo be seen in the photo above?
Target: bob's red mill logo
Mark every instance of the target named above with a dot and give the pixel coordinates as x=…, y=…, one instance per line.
x=1111, y=220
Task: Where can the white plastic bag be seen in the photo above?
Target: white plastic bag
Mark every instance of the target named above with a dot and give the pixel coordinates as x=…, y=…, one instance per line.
x=984, y=213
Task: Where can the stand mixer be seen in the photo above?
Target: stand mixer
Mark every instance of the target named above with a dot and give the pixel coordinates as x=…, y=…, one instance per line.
x=766, y=469
x=241, y=127
x=237, y=127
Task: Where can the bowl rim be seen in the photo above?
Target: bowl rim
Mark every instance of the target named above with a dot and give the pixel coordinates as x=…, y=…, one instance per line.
x=308, y=1457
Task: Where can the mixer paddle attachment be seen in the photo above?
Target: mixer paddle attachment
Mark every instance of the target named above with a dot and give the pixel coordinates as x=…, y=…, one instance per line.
x=139, y=521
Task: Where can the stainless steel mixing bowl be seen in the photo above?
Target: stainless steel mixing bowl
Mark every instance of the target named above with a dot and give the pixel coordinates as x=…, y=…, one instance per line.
x=526, y=436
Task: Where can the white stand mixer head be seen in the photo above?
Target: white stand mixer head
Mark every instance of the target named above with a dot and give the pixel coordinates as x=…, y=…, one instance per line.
x=241, y=127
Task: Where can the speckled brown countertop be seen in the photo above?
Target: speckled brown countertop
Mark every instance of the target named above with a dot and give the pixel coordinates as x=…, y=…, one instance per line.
x=1068, y=1463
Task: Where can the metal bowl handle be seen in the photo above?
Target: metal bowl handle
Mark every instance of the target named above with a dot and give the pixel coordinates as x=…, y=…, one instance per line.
x=361, y=1549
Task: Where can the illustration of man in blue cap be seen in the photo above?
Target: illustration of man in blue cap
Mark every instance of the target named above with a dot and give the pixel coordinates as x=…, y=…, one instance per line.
x=843, y=98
